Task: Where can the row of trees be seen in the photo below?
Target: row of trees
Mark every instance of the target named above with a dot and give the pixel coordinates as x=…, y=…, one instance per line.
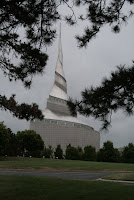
x=29, y=143
x=106, y=154
x=71, y=153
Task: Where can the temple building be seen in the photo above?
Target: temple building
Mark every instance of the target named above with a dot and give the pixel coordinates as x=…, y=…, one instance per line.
x=58, y=125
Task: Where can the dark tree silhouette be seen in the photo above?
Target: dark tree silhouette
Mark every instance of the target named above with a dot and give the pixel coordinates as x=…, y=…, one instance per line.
x=21, y=57
x=35, y=19
x=114, y=93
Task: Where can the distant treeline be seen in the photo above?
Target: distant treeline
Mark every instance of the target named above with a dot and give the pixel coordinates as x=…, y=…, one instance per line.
x=28, y=143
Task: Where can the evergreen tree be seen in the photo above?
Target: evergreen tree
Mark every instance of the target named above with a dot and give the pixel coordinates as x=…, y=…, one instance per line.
x=108, y=153
x=89, y=153
x=48, y=152
x=58, y=152
x=113, y=94
x=80, y=153
x=71, y=153
x=128, y=153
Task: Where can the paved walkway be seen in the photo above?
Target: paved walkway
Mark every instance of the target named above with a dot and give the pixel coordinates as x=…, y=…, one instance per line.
x=59, y=174
x=65, y=175
x=117, y=181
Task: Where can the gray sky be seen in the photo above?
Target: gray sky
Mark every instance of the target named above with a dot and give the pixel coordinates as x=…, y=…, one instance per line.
x=83, y=68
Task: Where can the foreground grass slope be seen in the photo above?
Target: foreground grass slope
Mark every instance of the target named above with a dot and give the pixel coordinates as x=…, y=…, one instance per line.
x=40, y=163
x=33, y=188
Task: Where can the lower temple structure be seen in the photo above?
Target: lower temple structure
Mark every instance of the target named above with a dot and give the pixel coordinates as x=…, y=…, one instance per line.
x=58, y=125
x=55, y=131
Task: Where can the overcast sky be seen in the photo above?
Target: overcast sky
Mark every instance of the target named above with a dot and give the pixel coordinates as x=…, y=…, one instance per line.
x=83, y=68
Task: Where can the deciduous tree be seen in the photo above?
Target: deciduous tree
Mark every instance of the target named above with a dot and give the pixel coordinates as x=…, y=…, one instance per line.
x=29, y=141
x=4, y=138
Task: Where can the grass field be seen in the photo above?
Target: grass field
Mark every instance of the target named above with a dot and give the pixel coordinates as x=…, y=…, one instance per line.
x=39, y=188
x=40, y=163
x=121, y=176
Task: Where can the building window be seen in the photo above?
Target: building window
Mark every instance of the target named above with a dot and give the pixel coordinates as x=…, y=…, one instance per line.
x=66, y=123
x=57, y=99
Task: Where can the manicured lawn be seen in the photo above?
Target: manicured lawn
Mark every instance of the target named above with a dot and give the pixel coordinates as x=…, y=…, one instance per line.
x=121, y=176
x=40, y=163
x=39, y=188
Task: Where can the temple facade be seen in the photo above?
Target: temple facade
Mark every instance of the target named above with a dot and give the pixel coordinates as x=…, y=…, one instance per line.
x=58, y=125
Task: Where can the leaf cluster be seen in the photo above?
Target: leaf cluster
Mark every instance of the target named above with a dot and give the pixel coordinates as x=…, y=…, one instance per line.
x=101, y=12
x=21, y=111
x=29, y=140
x=35, y=20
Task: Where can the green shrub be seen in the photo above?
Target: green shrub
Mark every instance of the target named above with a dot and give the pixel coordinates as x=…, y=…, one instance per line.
x=71, y=153
x=89, y=153
x=58, y=152
x=48, y=152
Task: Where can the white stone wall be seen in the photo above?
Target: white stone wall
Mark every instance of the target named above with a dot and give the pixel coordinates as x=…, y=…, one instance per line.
x=54, y=134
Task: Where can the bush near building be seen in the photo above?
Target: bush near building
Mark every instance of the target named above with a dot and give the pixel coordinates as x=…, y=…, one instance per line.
x=48, y=152
x=80, y=153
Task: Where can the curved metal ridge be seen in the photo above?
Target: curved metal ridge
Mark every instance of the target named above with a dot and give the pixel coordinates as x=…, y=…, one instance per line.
x=60, y=76
x=61, y=86
x=55, y=99
x=69, y=123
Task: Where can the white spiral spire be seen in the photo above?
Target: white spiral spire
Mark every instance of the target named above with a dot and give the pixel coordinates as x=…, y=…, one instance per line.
x=59, y=89
x=59, y=64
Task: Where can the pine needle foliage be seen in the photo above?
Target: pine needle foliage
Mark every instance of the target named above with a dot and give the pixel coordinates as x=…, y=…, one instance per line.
x=26, y=26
